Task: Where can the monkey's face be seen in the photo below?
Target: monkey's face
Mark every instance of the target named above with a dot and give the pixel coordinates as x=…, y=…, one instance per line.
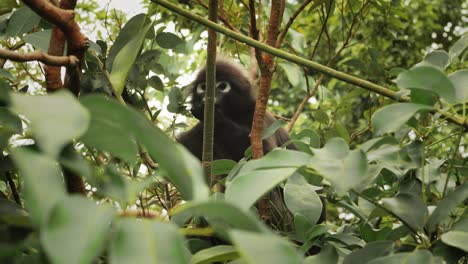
x=222, y=94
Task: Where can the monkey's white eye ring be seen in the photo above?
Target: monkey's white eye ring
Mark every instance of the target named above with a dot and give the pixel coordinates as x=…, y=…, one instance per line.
x=223, y=86
x=200, y=88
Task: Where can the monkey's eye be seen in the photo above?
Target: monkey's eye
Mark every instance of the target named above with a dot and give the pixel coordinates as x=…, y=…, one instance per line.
x=200, y=88
x=223, y=86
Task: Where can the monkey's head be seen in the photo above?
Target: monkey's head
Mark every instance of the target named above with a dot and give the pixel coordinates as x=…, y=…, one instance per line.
x=234, y=95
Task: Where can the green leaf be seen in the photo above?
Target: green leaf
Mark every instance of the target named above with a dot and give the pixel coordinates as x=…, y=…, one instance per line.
x=214, y=254
x=328, y=255
x=459, y=47
x=76, y=230
x=127, y=55
x=168, y=40
x=223, y=216
x=271, y=130
x=40, y=40
x=156, y=83
x=7, y=74
x=12, y=214
x=257, y=248
x=343, y=168
x=409, y=208
x=43, y=182
x=369, y=252
x=145, y=241
x=300, y=197
x=258, y=177
x=418, y=256
x=22, y=21
x=447, y=204
x=293, y=73
x=460, y=81
x=182, y=169
x=429, y=79
x=109, y=130
x=246, y=189
x=437, y=58
x=456, y=239
x=126, y=34
x=308, y=136
x=392, y=117
x=222, y=166
x=56, y=119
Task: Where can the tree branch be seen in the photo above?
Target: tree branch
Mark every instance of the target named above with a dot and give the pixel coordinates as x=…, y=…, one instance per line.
x=68, y=61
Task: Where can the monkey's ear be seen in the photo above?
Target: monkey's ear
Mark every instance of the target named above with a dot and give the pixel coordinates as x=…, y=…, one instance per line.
x=223, y=86
x=200, y=88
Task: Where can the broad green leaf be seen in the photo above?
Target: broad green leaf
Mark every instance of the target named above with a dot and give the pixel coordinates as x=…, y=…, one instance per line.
x=246, y=189
x=182, y=168
x=127, y=54
x=40, y=40
x=327, y=255
x=300, y=197
x=76, y=230
x=447, y=204
x=168, y=40
x=145, y=241
x=370, y=251
x=343, y=168
x=418, y=256
x=346, y=239
x=437, y=58
x=56, y=119
x=126, y=34
x=109, y=130
x=392, y=117
x=271, y=130
x=278, y=158
x=456, y=239
x=293, y=73
x=460, y=81
x=222, y=166
x=43, y=182
x=223, y=216
x=459, y=47
x=409, y=208
x=256, y=248
x=22, y=21
x=13, y=215
x=427, y=78
x=214, y=254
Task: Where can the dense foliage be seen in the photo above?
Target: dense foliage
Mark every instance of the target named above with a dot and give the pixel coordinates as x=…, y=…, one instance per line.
x=393, y=173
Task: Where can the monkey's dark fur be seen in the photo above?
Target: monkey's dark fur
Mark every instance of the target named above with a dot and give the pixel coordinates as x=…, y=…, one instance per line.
x=233, y=115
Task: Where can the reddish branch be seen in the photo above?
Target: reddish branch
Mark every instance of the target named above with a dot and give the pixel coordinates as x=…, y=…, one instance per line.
x=267, y=66
x=70, y=61
x=63, y=19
